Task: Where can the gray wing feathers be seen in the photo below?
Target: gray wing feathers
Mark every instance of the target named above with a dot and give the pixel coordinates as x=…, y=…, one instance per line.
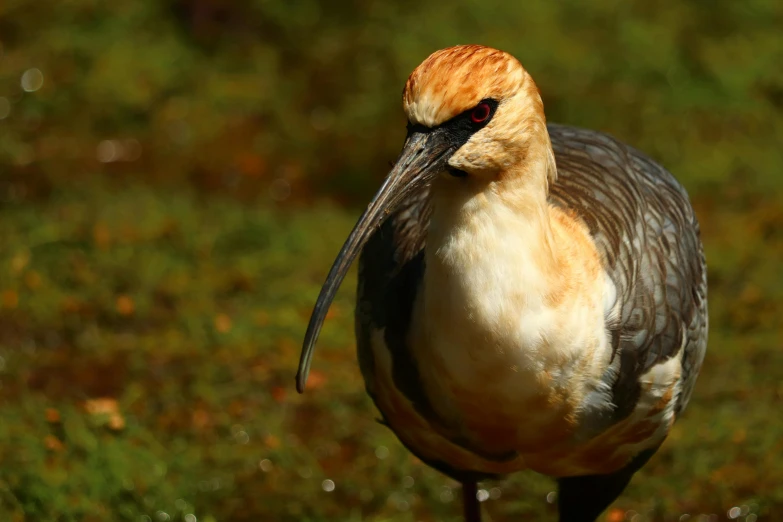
x=648, y=235
x=390, y=268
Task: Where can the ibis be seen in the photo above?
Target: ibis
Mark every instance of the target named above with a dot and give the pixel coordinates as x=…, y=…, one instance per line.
x=530, y=296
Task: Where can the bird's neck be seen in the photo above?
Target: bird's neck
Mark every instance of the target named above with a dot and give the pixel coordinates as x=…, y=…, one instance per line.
x=506, y=271
x=494, y=238
x=512, y=302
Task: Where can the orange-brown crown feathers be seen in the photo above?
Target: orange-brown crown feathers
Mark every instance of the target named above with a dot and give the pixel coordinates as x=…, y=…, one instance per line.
x=455, y=79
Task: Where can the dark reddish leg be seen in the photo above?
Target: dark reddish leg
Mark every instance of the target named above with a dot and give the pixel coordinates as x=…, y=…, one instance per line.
x=470, y=501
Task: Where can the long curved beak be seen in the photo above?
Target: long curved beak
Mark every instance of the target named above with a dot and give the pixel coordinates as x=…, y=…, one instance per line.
x=423, y=156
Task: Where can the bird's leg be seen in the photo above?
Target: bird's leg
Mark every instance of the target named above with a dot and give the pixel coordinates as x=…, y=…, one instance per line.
x=583, y=499
x=470, y=501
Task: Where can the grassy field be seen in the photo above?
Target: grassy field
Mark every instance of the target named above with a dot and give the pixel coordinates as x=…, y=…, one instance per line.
x=150, y=330
x=149, y=340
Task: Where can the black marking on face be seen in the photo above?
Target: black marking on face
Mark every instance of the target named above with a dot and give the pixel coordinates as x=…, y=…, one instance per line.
x=458, y=130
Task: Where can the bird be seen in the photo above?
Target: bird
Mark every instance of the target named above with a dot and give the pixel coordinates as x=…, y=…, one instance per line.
x=530, y=296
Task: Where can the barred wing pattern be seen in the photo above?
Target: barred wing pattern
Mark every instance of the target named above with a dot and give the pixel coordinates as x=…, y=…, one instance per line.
x=644, y=227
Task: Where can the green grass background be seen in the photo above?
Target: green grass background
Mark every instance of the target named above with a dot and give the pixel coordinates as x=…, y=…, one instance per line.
x=176, y=280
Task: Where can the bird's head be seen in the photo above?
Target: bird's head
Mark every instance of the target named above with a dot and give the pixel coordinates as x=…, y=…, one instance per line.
x=475, y=116
x=481, y=107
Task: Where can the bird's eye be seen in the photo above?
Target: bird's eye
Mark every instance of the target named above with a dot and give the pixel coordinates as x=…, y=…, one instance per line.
x=480, y=113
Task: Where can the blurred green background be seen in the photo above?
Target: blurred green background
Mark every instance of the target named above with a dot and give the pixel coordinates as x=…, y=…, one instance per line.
x=177, y=176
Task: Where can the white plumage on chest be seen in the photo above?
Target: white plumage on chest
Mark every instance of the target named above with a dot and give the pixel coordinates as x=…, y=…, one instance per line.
x=511, y=356
x=494, y=326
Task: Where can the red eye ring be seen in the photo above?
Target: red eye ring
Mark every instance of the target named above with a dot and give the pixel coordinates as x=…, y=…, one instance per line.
x=480, y=113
